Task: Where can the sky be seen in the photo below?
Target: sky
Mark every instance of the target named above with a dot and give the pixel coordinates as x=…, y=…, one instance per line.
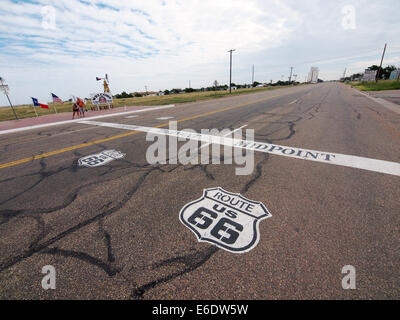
x=62, y=46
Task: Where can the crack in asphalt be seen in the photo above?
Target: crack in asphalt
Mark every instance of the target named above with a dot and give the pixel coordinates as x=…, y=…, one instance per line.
x=191, y=261
x=39, y=247
x=257, y=175
x=83, y=256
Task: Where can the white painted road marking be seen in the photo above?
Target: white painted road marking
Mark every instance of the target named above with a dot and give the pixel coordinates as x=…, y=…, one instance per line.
x=130, y=117
x=100, y=159
x=79, y=120
x=293, y=102
x=227, y=220
x=164, y=118
x=382, y=166
x=208, y=143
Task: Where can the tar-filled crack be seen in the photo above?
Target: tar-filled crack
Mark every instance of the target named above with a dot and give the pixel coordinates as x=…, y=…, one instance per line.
x=39, y=247
x=107, y=242
x=43, y=231
x=292, y=132
x=203, y=168
x=191, y=262
x=106, y=267
x=42, y=176
x=7, y=214
x=257, y=175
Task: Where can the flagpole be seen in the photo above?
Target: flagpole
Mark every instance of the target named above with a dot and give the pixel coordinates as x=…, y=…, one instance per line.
x=35, y=110
x=34, y=107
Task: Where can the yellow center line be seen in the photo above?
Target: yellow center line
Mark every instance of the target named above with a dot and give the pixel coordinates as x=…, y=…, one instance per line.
x=84, y=145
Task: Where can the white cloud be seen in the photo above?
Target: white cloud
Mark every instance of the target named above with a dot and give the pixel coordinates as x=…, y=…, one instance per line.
x=164, y=44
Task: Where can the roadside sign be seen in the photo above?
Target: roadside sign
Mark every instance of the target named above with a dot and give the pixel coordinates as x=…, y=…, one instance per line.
x=102, y=98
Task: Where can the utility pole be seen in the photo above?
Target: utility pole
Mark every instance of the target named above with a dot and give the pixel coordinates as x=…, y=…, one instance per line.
x=230, y=70
x=380, y=66
x=252, y=76
x=189, y=84
x=290, y=77
x=4, y=87
x=344, y=73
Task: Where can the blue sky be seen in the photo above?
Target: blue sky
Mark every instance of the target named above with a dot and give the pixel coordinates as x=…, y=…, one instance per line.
x=61, y=46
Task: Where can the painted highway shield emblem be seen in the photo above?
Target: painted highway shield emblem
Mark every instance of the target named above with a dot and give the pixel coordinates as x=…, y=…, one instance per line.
x=100, y=159
x=227, y=220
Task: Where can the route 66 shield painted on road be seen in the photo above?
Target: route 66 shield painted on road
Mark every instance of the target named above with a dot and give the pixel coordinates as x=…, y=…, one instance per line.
x=100, y=159
x=228, y=220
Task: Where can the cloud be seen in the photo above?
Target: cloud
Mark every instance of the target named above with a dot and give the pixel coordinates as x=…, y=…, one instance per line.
x=164, y=44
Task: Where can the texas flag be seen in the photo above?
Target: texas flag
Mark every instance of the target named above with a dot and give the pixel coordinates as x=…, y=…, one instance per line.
x=37, y=104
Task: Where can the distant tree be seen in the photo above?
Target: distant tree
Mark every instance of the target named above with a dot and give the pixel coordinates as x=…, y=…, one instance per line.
x=176, y=91
x=123, y=95
x=255, y=84
x=138, y=95
x=166, y=92
x=187, y=90
x=373, y=67
x=385, y=72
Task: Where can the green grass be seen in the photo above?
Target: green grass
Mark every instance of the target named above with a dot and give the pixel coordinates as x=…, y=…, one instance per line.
x=373, y=86
x=26, y=111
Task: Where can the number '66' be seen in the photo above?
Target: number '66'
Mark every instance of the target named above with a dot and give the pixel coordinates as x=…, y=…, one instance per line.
x=203, y=217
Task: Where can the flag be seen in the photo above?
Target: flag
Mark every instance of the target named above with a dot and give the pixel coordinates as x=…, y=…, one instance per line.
x=56, y=99
x=37, y=104
x=97, y=78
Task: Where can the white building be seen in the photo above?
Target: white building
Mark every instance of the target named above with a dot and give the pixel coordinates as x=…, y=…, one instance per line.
x=313, y=75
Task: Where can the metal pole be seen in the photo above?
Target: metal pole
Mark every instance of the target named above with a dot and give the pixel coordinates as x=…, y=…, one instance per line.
x=380, y=66
x=252, y=77
x=230, y=70
x=35, y=111
x=5, y=92
x=290, y=77
x=16, y=117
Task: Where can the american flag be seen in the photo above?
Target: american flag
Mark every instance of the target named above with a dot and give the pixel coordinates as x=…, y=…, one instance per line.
x=56, y=99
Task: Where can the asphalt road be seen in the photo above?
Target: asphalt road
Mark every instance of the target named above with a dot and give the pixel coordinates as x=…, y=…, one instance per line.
x=113, y=231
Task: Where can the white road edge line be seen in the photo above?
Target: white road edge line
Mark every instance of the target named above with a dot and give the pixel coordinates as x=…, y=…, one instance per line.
x=44, y=125
x=385, y=103
x=164, y=118
x=293, y=102
x=381, y=166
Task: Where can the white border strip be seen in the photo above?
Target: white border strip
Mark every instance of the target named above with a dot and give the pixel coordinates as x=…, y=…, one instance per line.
x=382, y=166
x=44, y=125
x=385, y=103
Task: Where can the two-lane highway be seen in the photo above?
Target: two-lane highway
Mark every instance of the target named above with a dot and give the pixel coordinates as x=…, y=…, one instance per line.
x=114, y=231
